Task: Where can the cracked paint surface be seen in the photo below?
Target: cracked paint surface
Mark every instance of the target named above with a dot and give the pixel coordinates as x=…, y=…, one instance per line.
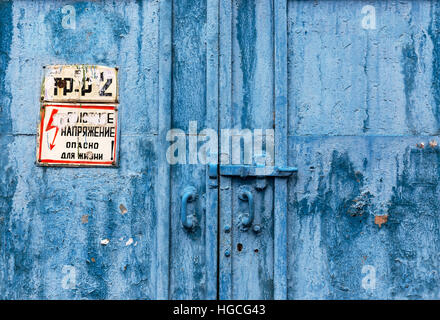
x=363, y=125
x=364, y=112
x=56, y=218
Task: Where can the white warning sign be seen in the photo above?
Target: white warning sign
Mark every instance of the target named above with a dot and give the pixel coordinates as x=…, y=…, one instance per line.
x=78, y=135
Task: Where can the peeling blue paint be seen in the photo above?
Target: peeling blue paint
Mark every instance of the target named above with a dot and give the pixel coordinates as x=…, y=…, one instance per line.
x=351, y=108
x=410, y=63
x=246, y=37
x=433, y=31
x=413, y=211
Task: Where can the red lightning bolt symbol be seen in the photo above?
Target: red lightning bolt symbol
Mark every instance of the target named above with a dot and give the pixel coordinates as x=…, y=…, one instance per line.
x=50, y=126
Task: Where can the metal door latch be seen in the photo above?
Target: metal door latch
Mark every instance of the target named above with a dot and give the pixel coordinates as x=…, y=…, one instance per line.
x=244, y=171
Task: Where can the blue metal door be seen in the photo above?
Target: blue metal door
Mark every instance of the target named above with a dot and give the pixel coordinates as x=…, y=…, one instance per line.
x=269, y=150
x=350, y=89
x=110, y=233
x=253, y=204
x=363, y=129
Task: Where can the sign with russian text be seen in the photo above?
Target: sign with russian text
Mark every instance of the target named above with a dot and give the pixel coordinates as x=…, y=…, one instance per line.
x=79, y=116
x=80, y=83
x=78, y=135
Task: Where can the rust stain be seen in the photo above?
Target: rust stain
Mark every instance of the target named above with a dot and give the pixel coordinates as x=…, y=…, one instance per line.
x=85, y=219
x=358, y=174
x=433, y=143
x=379, y=220
x=123, y=209
x=93, y=259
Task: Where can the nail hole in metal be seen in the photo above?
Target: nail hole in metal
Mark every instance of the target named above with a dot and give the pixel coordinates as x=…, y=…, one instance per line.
x=239, y=246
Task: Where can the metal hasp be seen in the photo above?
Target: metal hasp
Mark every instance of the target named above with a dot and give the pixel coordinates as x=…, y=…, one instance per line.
x=189, y=194
x=244, y=171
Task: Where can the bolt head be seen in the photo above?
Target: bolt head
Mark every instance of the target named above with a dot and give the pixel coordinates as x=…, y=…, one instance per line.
x=257, y=228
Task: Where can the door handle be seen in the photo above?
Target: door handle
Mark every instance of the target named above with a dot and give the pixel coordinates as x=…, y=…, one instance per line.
x=189, y=194
x=245, y=194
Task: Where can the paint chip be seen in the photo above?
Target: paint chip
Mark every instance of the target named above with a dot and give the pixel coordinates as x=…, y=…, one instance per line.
x=123, y=209
x=433, y=143
x=129, y=241
x=84, y=219
x=380, y=220
x=105, y=242
x=420, y=145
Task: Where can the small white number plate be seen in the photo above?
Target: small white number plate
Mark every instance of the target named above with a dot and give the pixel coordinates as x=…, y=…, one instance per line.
x=80, y=83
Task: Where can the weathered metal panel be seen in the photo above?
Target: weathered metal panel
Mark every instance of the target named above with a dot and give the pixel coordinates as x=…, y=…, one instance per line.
x=191, y=274
x=363, y=213
x=246, y=88
x=335, y=236
x=53, y=219
x=225, y=119
x=98, y=233
x=281, y=148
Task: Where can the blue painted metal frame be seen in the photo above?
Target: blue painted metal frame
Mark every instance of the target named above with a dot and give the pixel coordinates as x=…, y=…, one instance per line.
x=158, y=217
x=366, y=146
x=225, y=110
x=163, y=176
